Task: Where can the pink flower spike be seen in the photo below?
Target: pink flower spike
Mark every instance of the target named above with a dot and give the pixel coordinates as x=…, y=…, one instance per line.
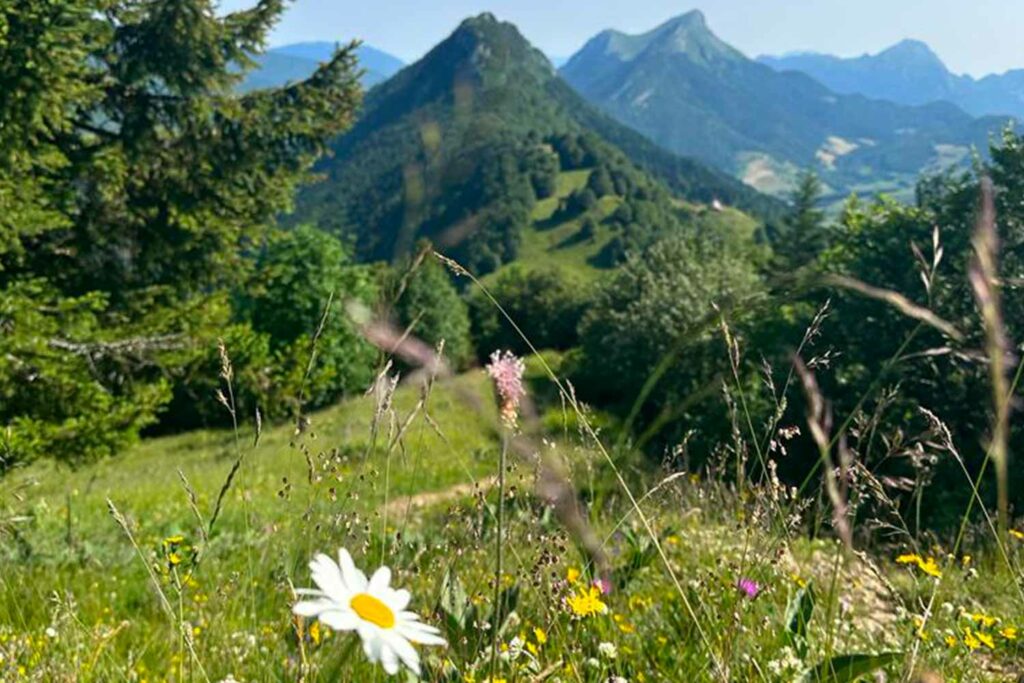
x=604, y=585
x=749, y=587
x=506, y=369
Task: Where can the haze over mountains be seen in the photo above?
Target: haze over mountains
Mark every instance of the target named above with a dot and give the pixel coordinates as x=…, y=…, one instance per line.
x=694, y=94
x=295, y=62
x=909, y=73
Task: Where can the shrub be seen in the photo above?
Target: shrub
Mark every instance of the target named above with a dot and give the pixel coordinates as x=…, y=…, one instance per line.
x=546, y=304
x=434, y=310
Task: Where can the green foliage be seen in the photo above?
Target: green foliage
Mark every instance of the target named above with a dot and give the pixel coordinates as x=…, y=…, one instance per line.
x=657, y=299
x=54, y=395
x=432, y=308
x=849, y=668
x=131, y=180
x=804, y=235
x=545, y=304
x=303, y=282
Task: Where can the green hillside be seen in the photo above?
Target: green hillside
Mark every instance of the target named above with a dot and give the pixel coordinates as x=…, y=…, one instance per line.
x=694, y=94
x=457, y=146
x=549, y=243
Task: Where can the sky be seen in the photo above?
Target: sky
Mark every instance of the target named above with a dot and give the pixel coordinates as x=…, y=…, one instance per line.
x=972, y=36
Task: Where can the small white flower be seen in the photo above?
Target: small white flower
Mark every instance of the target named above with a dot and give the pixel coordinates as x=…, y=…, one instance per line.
x=608, y=650
x=345, y=600
x=516, y=647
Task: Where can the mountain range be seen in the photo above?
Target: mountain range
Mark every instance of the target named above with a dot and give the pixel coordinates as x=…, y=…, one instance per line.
x=909, y=73
x=295, y=62
x=692, y=93
x=459, y=146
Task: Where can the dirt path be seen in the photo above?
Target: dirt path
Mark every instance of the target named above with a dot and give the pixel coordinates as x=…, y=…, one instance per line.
x=420, y=501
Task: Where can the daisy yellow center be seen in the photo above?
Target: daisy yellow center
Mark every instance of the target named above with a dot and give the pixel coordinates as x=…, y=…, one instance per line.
x=373, y=610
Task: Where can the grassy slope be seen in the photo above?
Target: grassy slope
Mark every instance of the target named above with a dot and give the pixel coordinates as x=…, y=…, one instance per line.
x=548, y=244
x=72, y=548
x=95, y=592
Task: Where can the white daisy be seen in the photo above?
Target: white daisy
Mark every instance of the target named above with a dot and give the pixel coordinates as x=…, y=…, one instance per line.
x=346, y=601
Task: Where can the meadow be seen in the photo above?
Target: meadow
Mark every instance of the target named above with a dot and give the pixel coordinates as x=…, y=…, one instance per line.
x=118, y=571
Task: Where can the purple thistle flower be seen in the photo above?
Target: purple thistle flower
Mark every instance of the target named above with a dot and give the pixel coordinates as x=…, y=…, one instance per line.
x=506, y=369
x=749, y=587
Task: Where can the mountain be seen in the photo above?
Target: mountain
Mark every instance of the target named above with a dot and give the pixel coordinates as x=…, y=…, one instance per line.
x=294, y=62
x=460, y=146
x=694, y=94
x=909, y=73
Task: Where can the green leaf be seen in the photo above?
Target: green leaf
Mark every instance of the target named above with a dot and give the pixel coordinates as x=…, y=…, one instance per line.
x=798, y=616
x=848, y=668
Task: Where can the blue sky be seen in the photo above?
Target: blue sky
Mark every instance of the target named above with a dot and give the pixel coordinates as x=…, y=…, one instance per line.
x=971, y=36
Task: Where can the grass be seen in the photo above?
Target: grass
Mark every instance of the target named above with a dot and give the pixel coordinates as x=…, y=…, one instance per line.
x=547, y=244
x=77, y=602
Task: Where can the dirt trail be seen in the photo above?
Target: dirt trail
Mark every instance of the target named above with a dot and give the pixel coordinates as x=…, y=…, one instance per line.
x=400, y=506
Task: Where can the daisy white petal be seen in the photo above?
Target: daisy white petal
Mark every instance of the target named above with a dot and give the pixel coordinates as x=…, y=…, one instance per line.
x=355, y=579
x=380, y=581
x=398, y=600
x=420, y=635
x=312, y=608
x=388, y=659
x=328, y=577
x=407, y=653
x=340, y=620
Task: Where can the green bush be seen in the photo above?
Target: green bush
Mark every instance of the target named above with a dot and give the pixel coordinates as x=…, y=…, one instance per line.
x=660, y=305
x=296, y=275
x=432, y=307
x=546, y=304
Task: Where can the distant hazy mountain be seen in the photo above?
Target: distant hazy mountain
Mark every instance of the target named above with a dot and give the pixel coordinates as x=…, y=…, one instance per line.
x=909, y=73
x=442, y=150
x=295, y=62
x=686, y=89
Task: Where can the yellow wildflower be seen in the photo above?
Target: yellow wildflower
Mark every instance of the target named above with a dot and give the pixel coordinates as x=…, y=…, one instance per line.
x=623, y=625
x=970, y=641
x=174, y=558
x=983, y=619
x=1019, y=535
x=587, y=602
x=951, y=641
x=986, y=639
x=314, y=633
x=1010, y=633
x=927, y=565
x=572, y=575
x=540, y=636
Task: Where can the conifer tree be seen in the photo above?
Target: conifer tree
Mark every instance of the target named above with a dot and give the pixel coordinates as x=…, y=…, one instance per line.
x=133, y=180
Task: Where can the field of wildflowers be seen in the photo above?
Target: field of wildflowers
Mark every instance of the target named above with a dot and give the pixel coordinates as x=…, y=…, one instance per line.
x=381, y=538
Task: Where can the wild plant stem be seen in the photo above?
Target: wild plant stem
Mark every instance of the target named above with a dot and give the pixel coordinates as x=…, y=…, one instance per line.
x=499, y=554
